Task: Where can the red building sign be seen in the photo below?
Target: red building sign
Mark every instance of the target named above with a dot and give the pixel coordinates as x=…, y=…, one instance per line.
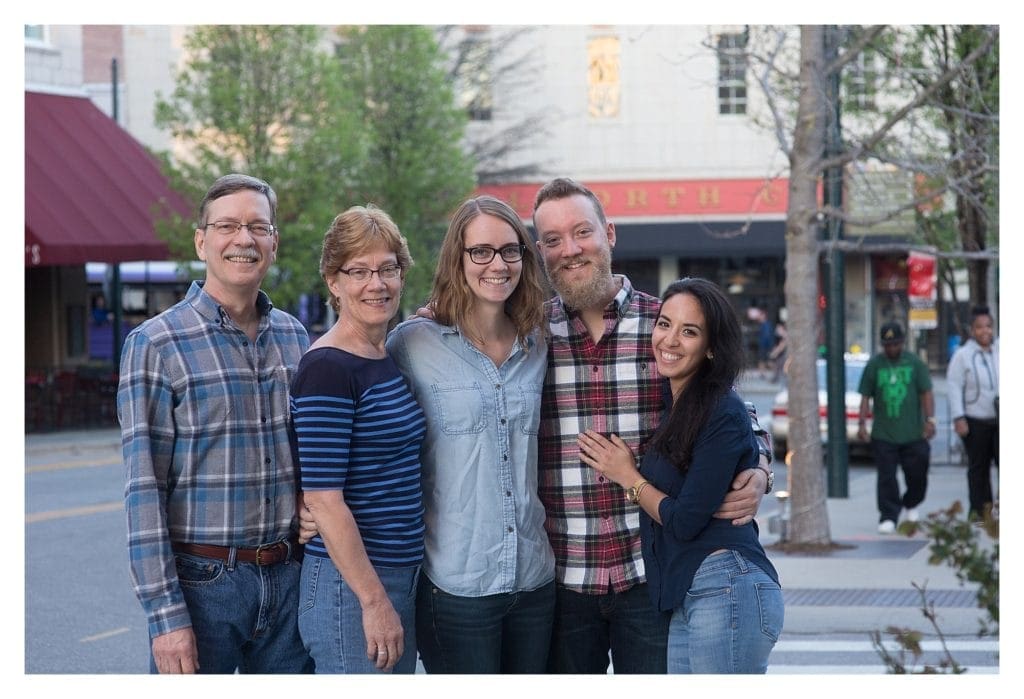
x=666, y=198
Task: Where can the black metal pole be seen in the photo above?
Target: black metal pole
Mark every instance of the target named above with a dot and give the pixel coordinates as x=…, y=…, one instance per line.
x=835, y=307
x=115, y=277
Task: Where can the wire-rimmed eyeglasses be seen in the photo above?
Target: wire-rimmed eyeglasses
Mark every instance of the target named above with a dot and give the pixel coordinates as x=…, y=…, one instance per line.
x=483, y=254
x=259, y=229
x=364, y=274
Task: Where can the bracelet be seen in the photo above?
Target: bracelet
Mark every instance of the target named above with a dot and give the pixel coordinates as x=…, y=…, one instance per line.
x=640, y=491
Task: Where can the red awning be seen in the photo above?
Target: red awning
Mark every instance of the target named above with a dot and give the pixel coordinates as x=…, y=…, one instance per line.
x=92, y=192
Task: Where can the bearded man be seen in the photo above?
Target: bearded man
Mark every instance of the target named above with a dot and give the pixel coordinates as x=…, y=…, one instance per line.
x=602, y=375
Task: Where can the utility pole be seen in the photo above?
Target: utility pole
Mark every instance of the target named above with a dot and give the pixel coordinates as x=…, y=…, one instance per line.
x=835, y=305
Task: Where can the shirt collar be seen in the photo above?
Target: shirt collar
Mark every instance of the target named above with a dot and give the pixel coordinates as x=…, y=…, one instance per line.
x=209, y=308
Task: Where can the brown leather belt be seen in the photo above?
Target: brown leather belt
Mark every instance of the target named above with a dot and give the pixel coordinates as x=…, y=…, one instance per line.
x=266, y=555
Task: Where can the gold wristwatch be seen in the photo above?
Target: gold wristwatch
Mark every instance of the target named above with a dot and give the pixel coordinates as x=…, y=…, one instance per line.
x=633, y=494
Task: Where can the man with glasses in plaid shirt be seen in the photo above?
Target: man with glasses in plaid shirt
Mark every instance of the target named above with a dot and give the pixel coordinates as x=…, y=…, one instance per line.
x=601, y=376
x=211, y=492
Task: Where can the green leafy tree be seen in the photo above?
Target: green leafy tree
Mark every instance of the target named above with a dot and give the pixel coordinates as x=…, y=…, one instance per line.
x=416, y=168
x=269, y=101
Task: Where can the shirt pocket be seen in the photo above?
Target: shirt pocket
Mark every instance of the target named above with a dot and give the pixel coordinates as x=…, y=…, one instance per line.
x=206, y=406
x=460, y=407
x=524, y=407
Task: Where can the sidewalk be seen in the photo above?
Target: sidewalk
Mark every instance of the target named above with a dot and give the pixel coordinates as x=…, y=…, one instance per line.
x=868, y=587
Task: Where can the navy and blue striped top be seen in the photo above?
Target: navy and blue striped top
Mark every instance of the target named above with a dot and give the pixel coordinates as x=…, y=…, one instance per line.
x=357, y=428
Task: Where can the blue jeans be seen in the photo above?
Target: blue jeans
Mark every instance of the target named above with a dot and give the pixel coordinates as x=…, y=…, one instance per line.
x=587, y=627
x=730, y=620
x=331, y=618
x=243, y=615
x=504, y=633
x=913, y=457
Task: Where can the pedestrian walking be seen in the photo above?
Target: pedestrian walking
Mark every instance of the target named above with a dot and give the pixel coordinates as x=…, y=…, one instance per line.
x=897, y=388
x=973, y=387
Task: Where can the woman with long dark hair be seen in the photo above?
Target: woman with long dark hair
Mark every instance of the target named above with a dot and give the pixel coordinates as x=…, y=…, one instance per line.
x=724, y=594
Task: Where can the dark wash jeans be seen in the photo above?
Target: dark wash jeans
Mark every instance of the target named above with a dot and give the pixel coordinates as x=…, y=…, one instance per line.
x=982, y=447
x=244, y=616
x=914, y=458
x=626, y=623
x=505, y=633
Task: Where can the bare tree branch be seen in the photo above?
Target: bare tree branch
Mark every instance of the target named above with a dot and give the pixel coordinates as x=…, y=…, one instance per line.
x=859, y=150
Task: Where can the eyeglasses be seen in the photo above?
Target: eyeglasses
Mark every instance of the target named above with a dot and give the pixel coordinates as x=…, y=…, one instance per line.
x=364, y=274
x=483, y=254
x=261, y=230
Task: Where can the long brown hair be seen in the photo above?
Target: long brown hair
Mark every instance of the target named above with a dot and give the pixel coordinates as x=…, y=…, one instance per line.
x=451, y=296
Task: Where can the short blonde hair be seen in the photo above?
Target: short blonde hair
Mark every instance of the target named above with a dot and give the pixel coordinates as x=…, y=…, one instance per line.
x=354, y=231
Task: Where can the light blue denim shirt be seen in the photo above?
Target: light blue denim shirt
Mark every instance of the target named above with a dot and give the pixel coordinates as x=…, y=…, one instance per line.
x=484, y=521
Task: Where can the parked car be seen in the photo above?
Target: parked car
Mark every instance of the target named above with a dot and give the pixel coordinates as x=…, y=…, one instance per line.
x=855, y=364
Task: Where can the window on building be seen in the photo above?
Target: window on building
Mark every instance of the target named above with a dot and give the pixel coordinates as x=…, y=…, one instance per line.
x=603, y=84
x=732, y=73
x=34, y=32
x=474, y=80
x=862, y=82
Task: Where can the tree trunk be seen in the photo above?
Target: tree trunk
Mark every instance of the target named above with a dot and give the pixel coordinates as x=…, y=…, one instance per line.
x=808, y=511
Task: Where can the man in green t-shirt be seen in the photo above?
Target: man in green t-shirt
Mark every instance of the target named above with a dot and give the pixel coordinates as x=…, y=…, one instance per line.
x=900, y=387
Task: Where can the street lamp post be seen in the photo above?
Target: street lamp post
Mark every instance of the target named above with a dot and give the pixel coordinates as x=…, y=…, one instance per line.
x=835, y=313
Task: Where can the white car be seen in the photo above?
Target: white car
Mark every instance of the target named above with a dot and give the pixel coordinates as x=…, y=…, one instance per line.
x=780, y=408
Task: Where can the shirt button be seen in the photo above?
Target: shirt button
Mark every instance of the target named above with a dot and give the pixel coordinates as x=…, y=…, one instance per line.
x=263, y=419
x=503, y=421
x=595, y=370
x=601, y=479
x=510, y=529
x=497, y=385
x=504, y=457
x=508, y=493
x=267, y=460
x=267, y=501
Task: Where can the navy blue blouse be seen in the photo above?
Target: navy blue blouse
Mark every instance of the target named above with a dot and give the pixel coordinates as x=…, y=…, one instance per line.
x=674, y=549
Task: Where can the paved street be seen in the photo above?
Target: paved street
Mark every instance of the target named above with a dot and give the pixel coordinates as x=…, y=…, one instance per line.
x=81, y=615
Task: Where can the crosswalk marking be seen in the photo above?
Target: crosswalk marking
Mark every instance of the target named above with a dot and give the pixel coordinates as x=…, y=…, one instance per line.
x=866, y=646
x=878, y=669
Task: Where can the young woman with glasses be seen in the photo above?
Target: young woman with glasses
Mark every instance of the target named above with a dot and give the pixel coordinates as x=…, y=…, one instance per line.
x=486, y=596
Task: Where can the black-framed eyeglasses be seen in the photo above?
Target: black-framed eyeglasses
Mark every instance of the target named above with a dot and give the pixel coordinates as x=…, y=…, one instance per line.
x=261, y=230
x=483, y=254
x=364, y=274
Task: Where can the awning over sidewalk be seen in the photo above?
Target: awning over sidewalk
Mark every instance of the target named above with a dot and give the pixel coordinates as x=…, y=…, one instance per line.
x=92, y=192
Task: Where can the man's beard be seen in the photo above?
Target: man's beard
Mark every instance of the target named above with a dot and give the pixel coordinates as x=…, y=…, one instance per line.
x=591, y=292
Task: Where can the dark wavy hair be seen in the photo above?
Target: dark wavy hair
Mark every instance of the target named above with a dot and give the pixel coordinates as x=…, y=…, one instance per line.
x=678, y=432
